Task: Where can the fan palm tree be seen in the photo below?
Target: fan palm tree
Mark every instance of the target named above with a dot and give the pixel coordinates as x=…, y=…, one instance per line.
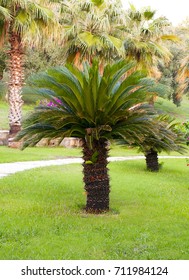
x=145, y=37
x=91, y=29
x=21, y=22
x=95, y=108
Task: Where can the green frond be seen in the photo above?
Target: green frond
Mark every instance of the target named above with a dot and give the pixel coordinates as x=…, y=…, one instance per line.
x=89, y=39
x=65, y=78
x=111, y=104
x=116, y=43
x=21, y=22
x=171, y=37
x=128, y=87
x=168, y=138
x=132, y=7
x=148, y=14
x=4, y=13
x=40, y=12
x=98, y=3
x=115, y=72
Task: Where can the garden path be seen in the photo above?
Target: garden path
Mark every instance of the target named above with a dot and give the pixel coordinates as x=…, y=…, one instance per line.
x=13, y=167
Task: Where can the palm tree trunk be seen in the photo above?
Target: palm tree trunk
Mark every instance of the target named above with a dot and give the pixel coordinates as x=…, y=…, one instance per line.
x=152, y=160
x=15, y=83
x=96, y=177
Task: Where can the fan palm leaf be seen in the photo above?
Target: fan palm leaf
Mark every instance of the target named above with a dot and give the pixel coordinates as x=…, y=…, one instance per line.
x=92, y=30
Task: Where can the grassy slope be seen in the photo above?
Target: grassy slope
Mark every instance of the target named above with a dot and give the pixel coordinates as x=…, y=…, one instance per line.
x=43, y=218
x=181, y=112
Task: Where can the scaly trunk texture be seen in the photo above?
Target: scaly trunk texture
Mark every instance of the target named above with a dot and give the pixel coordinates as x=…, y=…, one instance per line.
x=152, y=160
x=96, y=177
x=16, y=78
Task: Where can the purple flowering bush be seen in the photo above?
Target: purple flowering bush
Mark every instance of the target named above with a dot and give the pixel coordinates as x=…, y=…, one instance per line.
x=54, y=104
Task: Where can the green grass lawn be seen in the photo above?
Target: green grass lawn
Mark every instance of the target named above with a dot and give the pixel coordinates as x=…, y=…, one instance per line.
x=42, y=217
x=48, y=153
x=37, y=153
x=181, y=113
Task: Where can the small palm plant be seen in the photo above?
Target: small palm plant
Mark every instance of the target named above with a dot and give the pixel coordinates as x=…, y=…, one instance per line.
x=169, y=138
x=96, y=108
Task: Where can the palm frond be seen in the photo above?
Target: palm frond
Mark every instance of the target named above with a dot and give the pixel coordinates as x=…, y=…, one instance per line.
x=109, y=105
x=4, y=13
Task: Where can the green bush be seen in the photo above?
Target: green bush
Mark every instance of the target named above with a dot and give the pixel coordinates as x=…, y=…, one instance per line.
x=186, y=130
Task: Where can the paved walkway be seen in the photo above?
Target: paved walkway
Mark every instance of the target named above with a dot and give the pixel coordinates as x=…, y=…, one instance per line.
x=11, y=168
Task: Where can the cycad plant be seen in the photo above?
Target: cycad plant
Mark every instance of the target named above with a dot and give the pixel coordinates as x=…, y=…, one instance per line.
x=94, y=107
x=169, y=138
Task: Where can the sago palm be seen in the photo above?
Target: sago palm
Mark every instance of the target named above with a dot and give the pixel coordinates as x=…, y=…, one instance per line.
x=169, y=138
x=95, y=108
x=21, y=22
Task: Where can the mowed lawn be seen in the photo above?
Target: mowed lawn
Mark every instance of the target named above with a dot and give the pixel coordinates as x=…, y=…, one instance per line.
x=42, y=216
x=51, y=153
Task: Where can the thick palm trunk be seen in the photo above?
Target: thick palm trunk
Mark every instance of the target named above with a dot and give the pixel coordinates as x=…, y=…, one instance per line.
x=15, y=83
x=152, y=160
x=96, y=177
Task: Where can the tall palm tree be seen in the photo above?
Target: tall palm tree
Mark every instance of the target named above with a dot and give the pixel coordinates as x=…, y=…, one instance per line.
x=182, y=74
x=95, y=108
x=144, y=39
x=183, y=78
x=91, y=29
x=23, y=23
